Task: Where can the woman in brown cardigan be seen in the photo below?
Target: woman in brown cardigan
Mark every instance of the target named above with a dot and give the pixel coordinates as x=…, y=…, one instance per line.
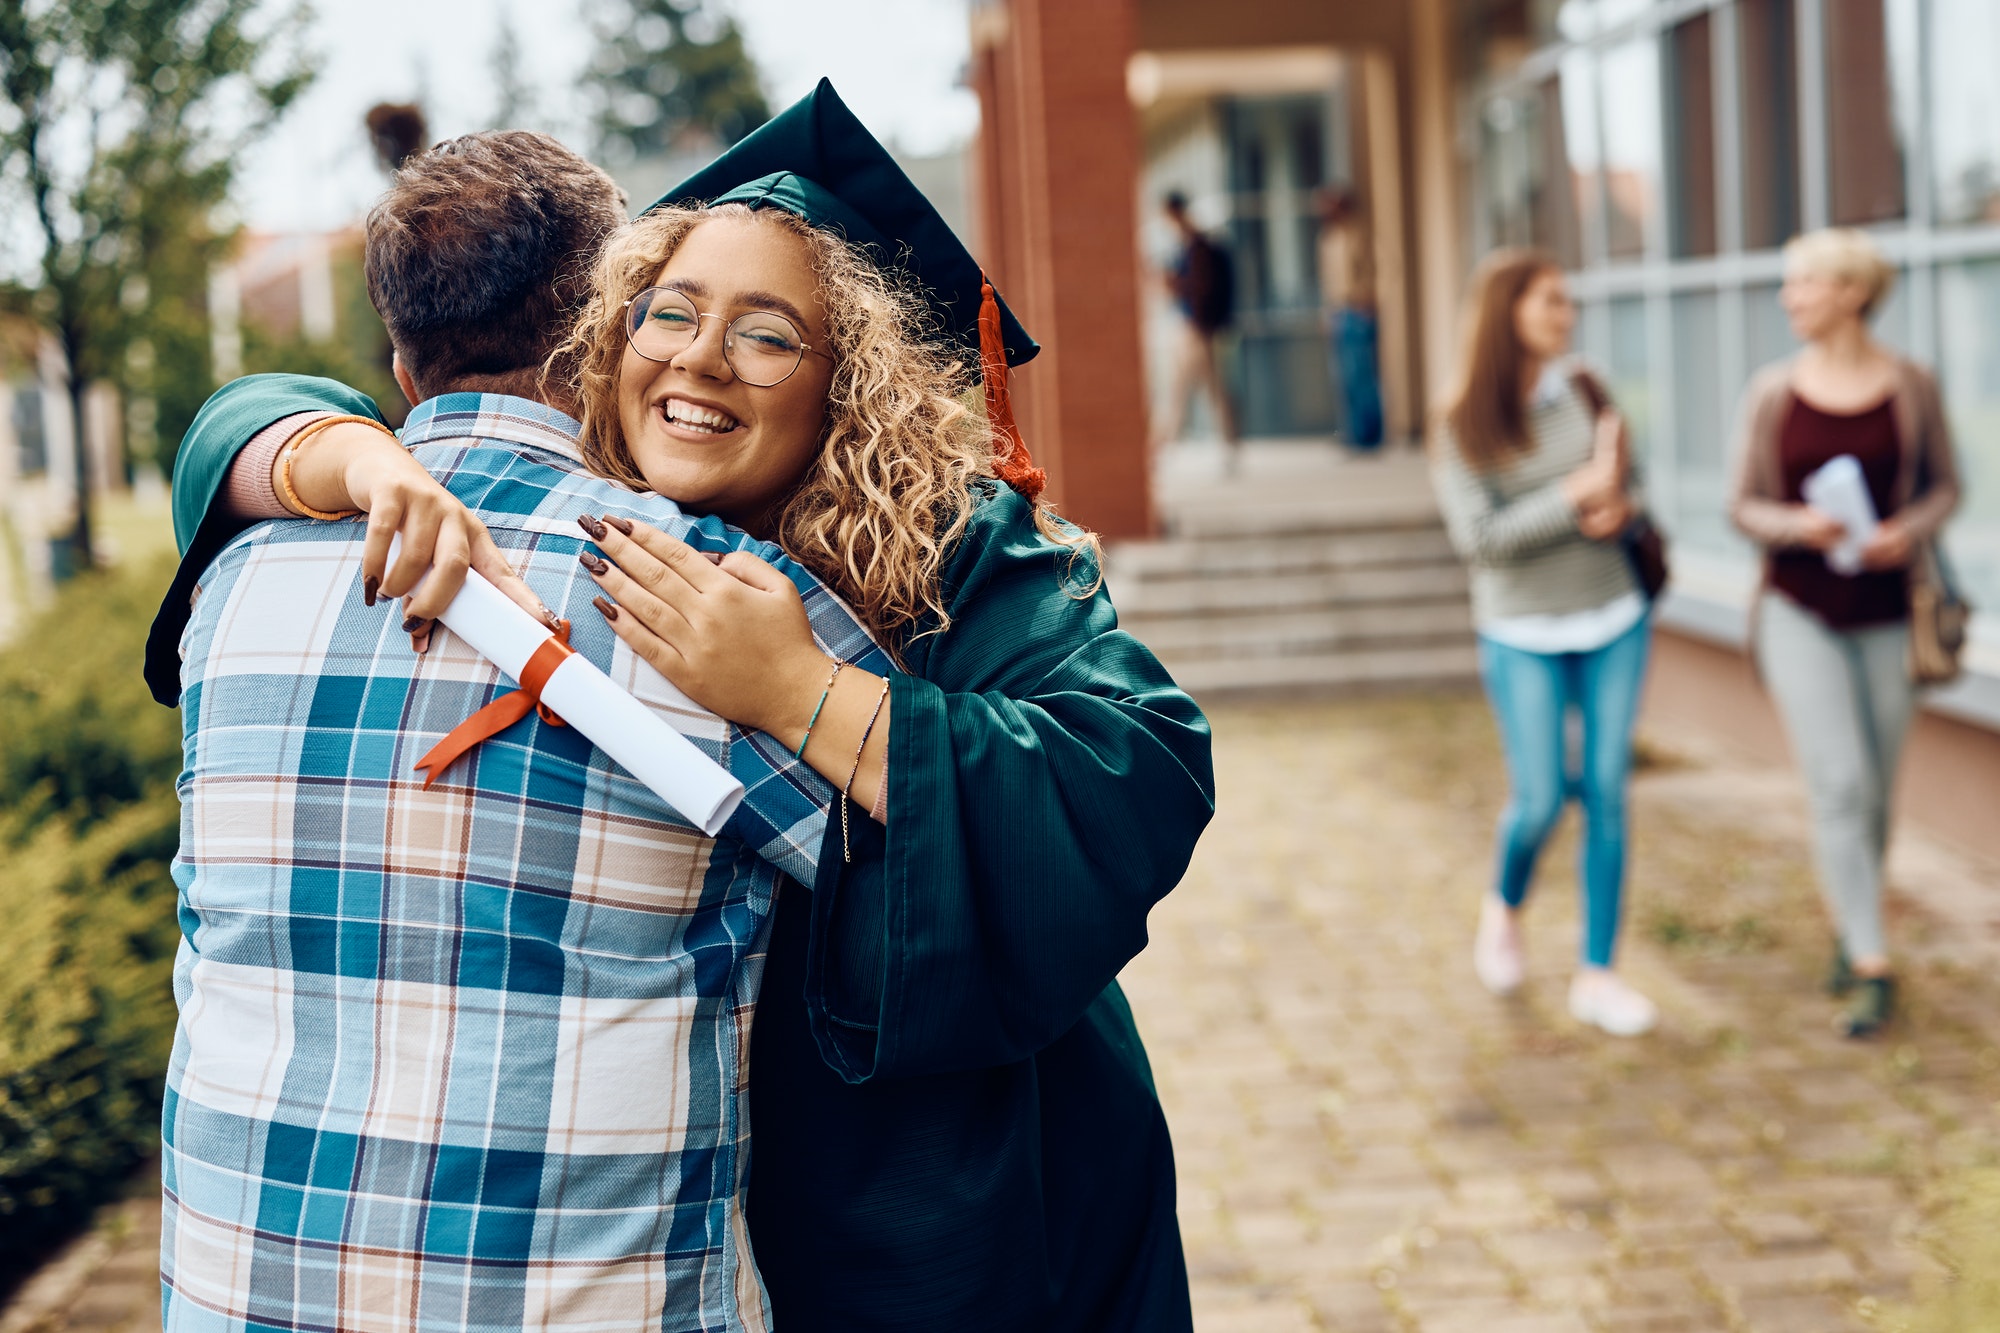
x=1833, y=645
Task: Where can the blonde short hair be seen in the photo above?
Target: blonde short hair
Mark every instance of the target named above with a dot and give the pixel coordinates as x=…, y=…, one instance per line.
x=1847, y=254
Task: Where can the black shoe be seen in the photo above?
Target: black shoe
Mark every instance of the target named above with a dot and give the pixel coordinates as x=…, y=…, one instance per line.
x=1869, y=1008
x=1840, y=976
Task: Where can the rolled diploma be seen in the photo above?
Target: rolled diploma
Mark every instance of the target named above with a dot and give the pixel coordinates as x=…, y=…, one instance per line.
x=587, y=699
x=1840, y=490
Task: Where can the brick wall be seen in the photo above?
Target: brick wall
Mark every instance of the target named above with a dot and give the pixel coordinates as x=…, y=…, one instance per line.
x=1058, y=173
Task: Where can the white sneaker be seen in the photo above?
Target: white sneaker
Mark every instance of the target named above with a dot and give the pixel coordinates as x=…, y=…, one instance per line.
x=1602, y=1000
x=1496, y=949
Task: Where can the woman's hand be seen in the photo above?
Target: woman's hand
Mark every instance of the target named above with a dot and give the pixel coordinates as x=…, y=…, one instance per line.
x=1605, y=521
x=352, y=466
x=732, y=635
x=1819, y=530
x=1891, y=547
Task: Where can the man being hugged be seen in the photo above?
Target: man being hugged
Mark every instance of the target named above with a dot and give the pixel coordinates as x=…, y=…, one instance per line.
x=468, y=1054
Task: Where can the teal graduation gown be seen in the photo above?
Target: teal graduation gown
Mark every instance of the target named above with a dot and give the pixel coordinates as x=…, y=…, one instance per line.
x=954, y=1124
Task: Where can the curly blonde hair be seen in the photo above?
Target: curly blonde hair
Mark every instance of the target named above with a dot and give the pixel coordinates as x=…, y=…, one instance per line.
x=880, y=509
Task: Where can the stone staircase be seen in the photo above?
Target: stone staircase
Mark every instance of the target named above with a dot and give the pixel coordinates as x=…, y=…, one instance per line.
x=1307, y=572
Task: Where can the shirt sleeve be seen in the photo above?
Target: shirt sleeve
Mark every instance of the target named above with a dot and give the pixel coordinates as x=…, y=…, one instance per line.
x=1487, y=530
x=227, y=422
x=1048, y=781
x=250, y=493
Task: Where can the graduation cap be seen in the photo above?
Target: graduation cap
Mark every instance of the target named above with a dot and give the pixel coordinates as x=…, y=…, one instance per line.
x=818, y=162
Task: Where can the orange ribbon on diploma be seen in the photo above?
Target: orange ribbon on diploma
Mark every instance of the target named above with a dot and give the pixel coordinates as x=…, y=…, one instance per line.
x=504, y=711
x=568, y=689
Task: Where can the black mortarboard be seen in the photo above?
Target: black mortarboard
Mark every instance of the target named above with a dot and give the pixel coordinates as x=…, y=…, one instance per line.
x=816, y=160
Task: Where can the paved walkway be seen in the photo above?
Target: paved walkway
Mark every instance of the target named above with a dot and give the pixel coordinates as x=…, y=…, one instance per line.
x=1367, y=1141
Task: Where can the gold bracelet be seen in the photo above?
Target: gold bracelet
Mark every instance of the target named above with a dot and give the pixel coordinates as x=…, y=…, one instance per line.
x=288, y=496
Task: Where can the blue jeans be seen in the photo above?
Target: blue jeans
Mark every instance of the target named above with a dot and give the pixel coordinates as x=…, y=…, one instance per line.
x=1532, y=696
x=1359, y=375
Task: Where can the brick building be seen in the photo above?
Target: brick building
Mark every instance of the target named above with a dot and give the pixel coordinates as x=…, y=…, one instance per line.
x=1663, y=149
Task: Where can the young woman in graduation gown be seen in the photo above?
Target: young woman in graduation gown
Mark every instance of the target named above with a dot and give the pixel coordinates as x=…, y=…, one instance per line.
x=954, y=1124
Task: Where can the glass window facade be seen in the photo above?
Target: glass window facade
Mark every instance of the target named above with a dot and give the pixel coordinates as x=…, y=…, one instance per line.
x=1696, y=138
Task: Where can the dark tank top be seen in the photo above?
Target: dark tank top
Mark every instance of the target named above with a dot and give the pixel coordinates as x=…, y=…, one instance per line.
x=1809, y=439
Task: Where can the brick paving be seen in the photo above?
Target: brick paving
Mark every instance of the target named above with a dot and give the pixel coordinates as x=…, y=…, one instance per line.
x=1369, y=1143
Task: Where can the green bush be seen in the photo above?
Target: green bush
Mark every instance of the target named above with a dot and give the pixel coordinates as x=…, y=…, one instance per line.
x=88, y=826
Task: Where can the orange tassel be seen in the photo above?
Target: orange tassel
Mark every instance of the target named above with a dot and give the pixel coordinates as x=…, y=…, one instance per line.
x=1014, y=466
x=504, y=711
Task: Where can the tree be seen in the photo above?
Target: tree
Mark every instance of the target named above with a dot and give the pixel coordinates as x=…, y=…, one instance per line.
x=513, y=97
x=665, y=69
x=120, y=131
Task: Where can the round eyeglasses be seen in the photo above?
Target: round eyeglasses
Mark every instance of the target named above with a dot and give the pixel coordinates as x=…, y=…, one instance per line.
x=762, y=347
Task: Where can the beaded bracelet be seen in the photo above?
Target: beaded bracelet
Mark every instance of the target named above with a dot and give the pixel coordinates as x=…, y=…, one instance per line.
x=288, y=496
x=846, y=848
x=811, y=722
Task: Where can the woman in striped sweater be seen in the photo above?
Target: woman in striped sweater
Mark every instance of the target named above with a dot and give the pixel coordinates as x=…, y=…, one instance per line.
x=1534, y=489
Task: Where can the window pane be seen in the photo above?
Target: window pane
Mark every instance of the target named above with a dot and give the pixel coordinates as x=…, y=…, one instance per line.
x=1695, y=509
x=1631, y=145
x=1691, y=131
x=1577, y=88
x=1628, y=371
x=1969, y=365
x=1866, y=128
x=1767, y=333
x=1528, y=190
x=1964, y=129
x=1767, y=46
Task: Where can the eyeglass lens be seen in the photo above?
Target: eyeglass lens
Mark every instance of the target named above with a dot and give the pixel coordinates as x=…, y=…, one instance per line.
x=762, y=348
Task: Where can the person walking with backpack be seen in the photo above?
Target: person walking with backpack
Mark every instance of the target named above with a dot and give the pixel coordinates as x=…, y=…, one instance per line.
x=1533, y=481
x=1833, y=626
x=1202, y=280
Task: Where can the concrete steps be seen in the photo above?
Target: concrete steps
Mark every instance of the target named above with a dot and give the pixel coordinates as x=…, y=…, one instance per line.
x=1318, y=579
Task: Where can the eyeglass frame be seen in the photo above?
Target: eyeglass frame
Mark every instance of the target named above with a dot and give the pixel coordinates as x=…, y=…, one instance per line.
x=700, y=315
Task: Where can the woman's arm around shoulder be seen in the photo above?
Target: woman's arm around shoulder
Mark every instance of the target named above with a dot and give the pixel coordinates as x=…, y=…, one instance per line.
x=1049, y=781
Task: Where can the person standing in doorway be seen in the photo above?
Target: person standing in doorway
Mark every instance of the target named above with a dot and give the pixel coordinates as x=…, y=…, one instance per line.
x=1833, y=645
x=1346, y=263
x=1534, y=489
x=1202, y=281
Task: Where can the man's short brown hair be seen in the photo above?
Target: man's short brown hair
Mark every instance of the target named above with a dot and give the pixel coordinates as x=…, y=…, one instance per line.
x=479, y=257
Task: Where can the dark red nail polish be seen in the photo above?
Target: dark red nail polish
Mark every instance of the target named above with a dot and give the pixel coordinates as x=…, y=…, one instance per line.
x=411, y=624
x=713, y=557
x=594, y=563
x=591, y=526
x=369, y=587
x=610, y=611
x=624, y=525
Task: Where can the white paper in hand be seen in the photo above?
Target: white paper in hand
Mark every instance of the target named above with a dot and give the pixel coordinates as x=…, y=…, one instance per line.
x=585, y=698
x=1840, y=491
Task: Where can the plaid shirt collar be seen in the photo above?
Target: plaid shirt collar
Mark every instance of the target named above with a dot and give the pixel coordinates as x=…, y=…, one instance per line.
x=495, y=418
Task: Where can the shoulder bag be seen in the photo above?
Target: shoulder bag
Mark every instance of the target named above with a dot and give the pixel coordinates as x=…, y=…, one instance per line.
x=1644, y=545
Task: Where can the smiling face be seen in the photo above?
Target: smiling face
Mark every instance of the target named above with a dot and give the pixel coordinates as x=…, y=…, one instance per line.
x=1545, y=317
x=1818, y=303
x=700, y=436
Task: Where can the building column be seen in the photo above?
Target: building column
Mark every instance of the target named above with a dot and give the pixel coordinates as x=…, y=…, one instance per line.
x=1058, y=170
x=1440, y=268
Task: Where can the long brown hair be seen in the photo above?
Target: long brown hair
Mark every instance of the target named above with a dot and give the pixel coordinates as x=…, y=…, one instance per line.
x=1488, y=418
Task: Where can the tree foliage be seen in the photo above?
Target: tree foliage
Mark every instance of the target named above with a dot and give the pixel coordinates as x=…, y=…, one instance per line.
x=666, y=70
x=121, y=126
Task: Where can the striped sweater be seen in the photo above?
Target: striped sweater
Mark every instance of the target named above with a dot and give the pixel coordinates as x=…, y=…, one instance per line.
x=1517, y=530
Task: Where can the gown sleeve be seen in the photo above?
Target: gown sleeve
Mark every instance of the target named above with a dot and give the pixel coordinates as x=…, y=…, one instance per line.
x=232, y=416
x=1048, y=782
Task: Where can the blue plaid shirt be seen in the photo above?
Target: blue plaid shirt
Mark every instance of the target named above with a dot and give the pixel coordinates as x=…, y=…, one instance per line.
x=473, y=1057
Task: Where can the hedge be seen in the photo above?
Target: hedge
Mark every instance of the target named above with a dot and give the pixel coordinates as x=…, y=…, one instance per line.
x=88, y=825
